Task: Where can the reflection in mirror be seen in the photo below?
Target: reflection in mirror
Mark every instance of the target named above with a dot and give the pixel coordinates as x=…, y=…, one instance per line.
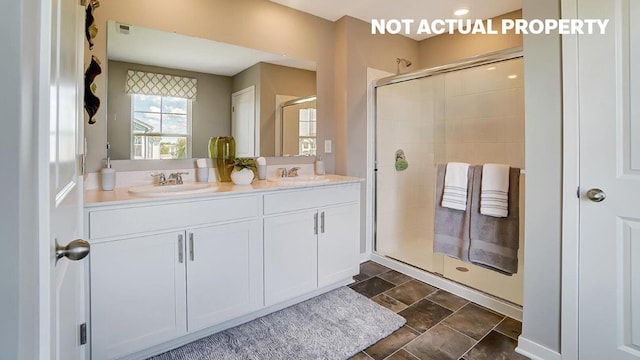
x=299, y=127
x=169, y=93
x=161, y=127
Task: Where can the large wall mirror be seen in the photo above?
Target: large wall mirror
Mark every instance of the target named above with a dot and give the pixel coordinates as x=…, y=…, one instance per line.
x=169, y=93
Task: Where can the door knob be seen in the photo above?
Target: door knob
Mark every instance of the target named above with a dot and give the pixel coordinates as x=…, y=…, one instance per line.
x=75, y=250
x=596, y=195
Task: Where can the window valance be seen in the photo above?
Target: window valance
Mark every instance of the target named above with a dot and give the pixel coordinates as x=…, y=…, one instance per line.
x=147, y=83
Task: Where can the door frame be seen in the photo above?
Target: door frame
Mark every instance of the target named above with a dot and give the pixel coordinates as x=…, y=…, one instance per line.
x=42, y=120
x=570, y=187
x=25, y=126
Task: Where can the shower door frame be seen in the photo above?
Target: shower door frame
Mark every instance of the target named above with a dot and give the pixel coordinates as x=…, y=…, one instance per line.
x=440, y=281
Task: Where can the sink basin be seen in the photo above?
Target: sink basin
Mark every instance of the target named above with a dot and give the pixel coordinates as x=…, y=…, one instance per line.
x=168, y=190
x=300, y=180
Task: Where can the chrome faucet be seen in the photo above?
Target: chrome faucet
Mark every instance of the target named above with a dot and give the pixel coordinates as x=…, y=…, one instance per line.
x=293, y=172
x=177, y=177
x=162, y=178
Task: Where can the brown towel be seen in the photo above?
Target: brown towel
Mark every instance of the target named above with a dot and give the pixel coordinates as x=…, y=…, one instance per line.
x=495, y=241
x=452, y=226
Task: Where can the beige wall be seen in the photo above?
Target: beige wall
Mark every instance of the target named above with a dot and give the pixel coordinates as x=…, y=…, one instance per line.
x=290, y=129
x=271, y=80
x=246, y=78
x=280, y=80
x=211, y=111
x=357, y=49
x=543, y=142
x=239, y=22
x=447, y=48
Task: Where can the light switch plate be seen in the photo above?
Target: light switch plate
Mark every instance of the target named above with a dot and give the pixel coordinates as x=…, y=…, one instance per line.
x=328, y=144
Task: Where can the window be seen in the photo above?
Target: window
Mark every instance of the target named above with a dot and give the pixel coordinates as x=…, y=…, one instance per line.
x=307, y=132
x=160, y=127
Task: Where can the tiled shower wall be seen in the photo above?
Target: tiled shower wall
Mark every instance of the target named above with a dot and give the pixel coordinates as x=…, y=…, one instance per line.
x=474, y=115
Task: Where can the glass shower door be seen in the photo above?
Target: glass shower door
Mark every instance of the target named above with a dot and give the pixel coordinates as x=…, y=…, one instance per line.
x=474, y=115
x=410, y=118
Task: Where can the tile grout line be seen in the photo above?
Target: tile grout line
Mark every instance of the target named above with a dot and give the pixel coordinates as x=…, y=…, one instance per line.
x=452, y=313
x=500, y=332
x=485, y=335
x=417, y=301
x=418, y=332
x=441, y=322
x=395, y=352
x=448, y=327
x=367, y=355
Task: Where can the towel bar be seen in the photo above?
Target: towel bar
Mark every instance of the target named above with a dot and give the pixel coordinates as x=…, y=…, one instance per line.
x=522, y=171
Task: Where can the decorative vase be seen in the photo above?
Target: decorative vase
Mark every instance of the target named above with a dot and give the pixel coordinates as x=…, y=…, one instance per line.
x=223, y=150
x=242, y=177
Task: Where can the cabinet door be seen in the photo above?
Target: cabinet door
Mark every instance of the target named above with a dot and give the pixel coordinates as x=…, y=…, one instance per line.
x=138, y=294
x=338, y=243
x=224, y=266
x=290, y=256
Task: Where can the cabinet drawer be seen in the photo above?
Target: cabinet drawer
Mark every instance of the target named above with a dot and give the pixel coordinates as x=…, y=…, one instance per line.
x=141, y=219
x=310, y=198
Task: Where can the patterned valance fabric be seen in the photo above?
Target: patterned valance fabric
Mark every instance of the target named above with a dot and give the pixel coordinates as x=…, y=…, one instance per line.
x=146, y=83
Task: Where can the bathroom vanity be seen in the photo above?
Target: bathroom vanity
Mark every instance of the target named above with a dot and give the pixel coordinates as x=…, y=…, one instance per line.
x=165, y=271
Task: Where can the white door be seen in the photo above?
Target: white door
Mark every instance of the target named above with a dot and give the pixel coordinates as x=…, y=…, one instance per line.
x=609, y=265
x=64, y=195
x=243, y=123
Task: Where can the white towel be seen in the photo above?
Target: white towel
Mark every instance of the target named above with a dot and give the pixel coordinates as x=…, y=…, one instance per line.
x=455, y=186
x=494, y=193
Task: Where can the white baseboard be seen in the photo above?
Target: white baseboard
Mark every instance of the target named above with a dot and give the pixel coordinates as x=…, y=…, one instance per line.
x=364, y=257
x=535, y=351
x=478, y=297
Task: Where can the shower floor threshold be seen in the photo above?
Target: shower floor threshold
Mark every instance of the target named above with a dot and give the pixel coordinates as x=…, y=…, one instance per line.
x=470, y=293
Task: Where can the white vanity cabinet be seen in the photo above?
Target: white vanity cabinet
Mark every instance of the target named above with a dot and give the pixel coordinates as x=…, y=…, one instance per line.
x=224, y=265
x=290, y=256
x=165, y=272
x=311, y=240
x=153, y=287
x=138, y=296
x=338, y=253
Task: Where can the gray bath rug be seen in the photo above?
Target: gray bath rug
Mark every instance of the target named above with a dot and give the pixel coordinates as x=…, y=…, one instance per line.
x=335, y=325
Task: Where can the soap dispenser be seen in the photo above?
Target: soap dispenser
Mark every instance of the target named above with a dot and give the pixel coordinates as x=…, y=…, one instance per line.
x=108, y=177
x=319, y=165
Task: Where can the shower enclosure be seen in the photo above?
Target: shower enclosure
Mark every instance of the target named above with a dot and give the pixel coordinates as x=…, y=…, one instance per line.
x=470, y=112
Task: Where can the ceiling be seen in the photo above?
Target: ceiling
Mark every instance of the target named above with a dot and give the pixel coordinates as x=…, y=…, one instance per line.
x=160, y=48
x=402, y=9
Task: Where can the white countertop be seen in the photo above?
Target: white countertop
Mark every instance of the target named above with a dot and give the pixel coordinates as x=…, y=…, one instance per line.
x=120, y=196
